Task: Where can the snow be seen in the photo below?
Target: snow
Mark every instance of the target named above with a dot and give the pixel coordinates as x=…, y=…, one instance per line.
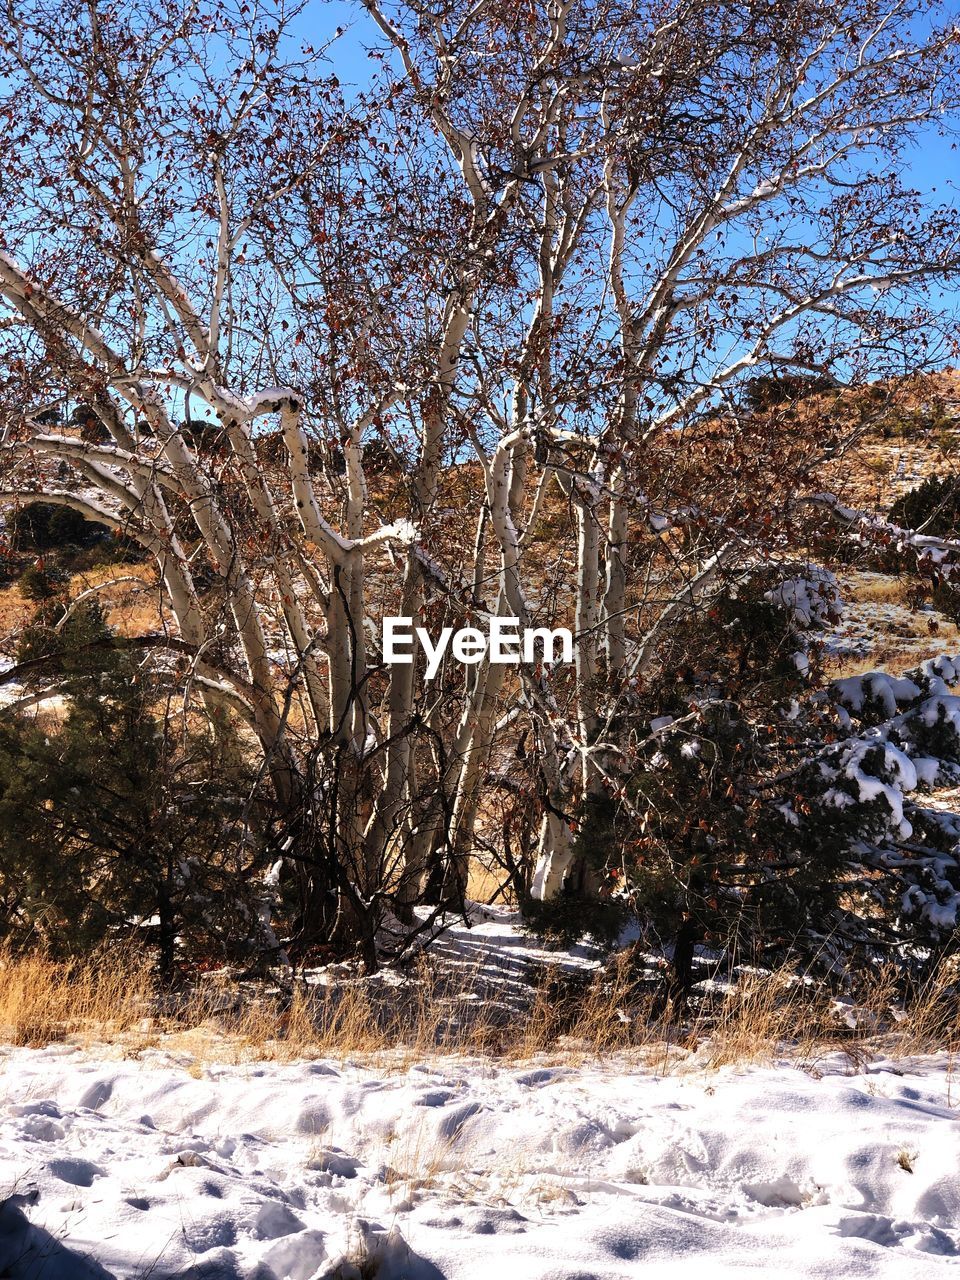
x=943, y=709
x=13, y=692
x=468, y=1169
x=940, y=673
x=889, y=692
x=927, y=770
x=811, y=600
x=899, y=775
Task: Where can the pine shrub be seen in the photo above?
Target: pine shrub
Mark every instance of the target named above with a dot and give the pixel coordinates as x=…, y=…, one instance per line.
x=119, y=821
x=933, y=507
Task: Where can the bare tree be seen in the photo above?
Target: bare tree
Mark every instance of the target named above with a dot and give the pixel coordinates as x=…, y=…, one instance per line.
x=529, y=268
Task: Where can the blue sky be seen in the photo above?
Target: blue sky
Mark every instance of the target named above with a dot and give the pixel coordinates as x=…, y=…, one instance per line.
x=933, y=165
x=322, y=17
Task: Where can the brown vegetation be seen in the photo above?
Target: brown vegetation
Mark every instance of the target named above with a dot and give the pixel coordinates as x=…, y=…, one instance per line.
x=111, y=1000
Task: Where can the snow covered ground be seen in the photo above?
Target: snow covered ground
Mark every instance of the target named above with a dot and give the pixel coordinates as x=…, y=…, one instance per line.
x=472, y=1170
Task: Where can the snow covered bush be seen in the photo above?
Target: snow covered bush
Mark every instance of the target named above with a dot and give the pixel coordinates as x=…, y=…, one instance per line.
x=770, y=823
x=900, y=881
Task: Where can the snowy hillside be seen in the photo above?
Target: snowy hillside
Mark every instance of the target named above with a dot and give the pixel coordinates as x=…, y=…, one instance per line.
x=468, y=1170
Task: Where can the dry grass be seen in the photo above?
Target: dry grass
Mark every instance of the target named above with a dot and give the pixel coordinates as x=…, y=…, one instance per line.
x=487, y=883
x=15, y=610
x=128, y=593
x=780, y=1009
x=879, y=588
x=931, y=1020
x=111, y=998
x=44, y=1000
x=879, y=463
x=896, y=654
x=418, y=1160
x=104, y=575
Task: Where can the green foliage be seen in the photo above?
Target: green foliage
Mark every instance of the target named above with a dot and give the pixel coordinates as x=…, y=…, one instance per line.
x=933, y=507
x=120, y=819
x=899, y=423
x=746, y=638
x=204, y=434
x=40, y=583
x=65, y=536
x=41, y=526
x=580, y=910
x=945, y=598
x=710, y=859
x=564, y=920
x=773, y=390
x=684, y=840
x=58, y=631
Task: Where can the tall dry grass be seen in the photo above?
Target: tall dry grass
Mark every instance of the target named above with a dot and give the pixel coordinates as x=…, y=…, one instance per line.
x=43, y=999
x=112, y=997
